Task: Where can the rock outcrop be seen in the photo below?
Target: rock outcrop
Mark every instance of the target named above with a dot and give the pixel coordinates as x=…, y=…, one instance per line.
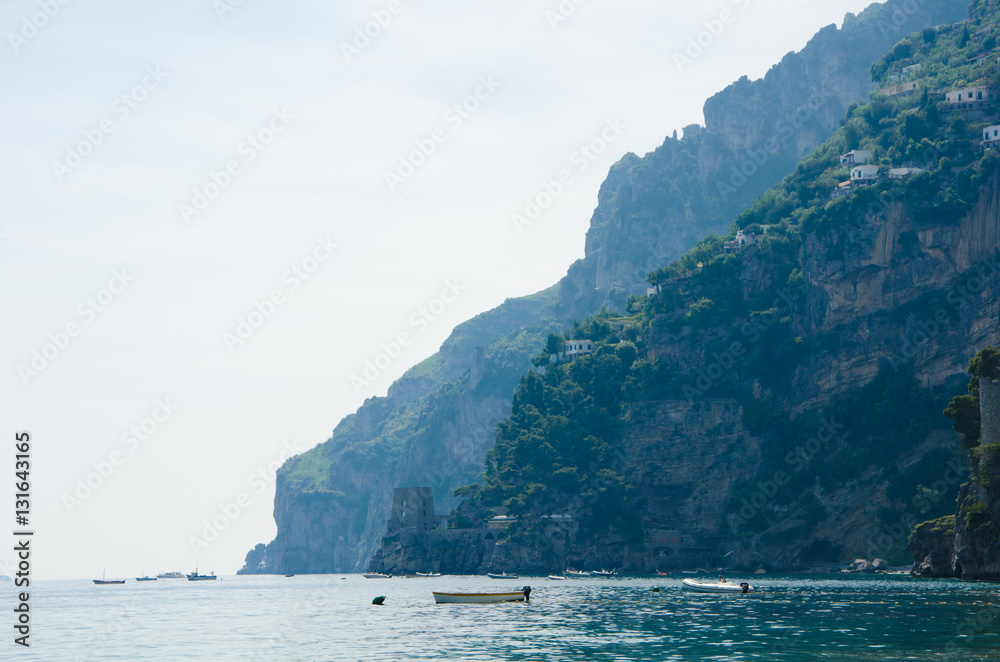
x=436, y=423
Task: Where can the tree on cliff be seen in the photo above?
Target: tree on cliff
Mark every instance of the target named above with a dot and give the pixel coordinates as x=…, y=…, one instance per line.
x=964, y=409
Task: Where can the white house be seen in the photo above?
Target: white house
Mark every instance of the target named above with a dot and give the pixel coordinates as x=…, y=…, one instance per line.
x=903, y=173
x=863, y=175
x=855, y=156
x=575, y=348
x=991, y=136
x=910, y=70
x=967, y=98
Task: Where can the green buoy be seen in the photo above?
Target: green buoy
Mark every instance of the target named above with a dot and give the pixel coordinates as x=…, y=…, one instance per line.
x=379, y=600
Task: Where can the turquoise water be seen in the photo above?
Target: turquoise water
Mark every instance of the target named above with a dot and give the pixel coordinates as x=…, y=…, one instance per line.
x=330, y=617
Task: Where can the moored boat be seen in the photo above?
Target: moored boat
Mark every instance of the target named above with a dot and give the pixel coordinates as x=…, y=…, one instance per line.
x=195, y=577
x=428, y=574
x=557, y=577
x=170, y=575
x=376, y=575
x=720, y=586
x=603, y=573
x=502, y=575
x=576, y=574
x=482, y=598
x=145, y=579
x=103, y=580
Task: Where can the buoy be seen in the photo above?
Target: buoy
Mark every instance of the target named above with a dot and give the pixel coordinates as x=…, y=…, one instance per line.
x=379, y=600
x=656, y=589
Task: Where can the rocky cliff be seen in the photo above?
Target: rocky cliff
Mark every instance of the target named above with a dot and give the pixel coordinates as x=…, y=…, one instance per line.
x=967, y=544
x=436, y=423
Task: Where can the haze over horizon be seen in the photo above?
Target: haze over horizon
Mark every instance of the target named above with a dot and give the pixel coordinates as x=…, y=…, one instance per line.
x=214, y=217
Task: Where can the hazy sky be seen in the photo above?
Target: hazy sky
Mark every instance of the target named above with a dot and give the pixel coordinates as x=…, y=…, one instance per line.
x=213, y=213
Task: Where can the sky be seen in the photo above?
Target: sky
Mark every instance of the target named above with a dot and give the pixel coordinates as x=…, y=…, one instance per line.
x=215, y=213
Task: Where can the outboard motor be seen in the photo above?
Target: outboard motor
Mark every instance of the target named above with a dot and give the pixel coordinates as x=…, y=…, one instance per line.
x=745, y=587
x=527, y=593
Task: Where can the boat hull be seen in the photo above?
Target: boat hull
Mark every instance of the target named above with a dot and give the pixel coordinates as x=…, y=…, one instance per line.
x=376, y=575
x=715, y=587
x=492, y=576
x=477, y=598
x=200, y=578
x=109, y=581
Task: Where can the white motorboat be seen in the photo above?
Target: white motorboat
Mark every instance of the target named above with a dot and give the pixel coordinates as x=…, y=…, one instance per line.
x=376, y=575
x=503, y=575
x=720, y=586
x=576, y=574
x=557, y=578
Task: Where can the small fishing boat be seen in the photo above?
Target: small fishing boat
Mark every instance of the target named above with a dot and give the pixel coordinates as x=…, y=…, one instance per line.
x=576, y=574
x=170, y=575
x=145, y=579
x=557, y=578
x=195, y=577
x=481, y=598
x=603, y=573
x=428, y=574
x=502, y=575
x=289, y=575
x=376, y=575
x=103, y=580
x=720, y=586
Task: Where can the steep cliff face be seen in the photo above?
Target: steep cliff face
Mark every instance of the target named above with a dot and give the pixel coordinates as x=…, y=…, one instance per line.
x=655, y=208
x=436, y=423
x=967, y=544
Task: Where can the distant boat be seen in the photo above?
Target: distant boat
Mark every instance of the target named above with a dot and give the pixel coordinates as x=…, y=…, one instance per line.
x=376, y=575
x=478, y=598
x=145, y=579
x=102, y=580
x=502, y=575
x=576, y=574
x=171, y=575
x=720, y=586
x=603, y=573
x=428, y=574
x=557, y=577
x=289, y=575
x=195, y=577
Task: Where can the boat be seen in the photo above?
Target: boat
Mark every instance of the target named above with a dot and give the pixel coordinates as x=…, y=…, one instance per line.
x=376, y=575
x=145, y=579
x=428, y=574
x=603, y=573
x=102, y=580
x=720, y=586
x=195, y=577
x=289, y=575
x=170, y=575
x=576, y=574
x=557, y=577
x=481, y=598
x=502, y=575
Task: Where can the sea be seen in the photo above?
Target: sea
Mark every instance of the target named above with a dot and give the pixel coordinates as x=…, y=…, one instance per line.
x=331, y=617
